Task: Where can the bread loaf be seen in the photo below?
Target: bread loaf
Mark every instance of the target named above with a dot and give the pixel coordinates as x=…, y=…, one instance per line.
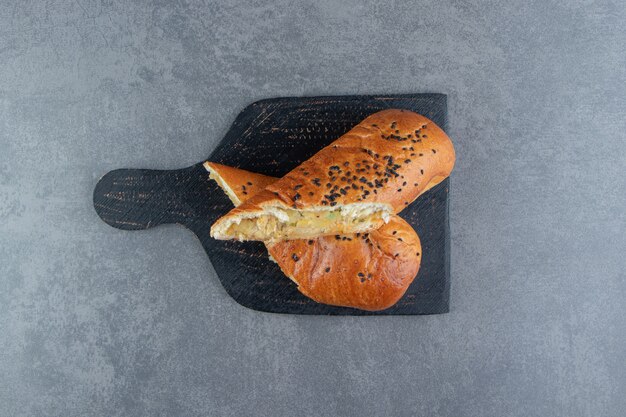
x=369, y=271
x=353, y=185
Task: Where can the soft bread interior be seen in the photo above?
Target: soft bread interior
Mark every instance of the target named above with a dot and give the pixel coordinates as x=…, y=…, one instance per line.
x=276, y=223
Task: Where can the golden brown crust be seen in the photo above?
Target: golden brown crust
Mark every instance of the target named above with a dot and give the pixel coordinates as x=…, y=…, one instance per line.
x=391, y=157
x=366, y=271
x=369, y=271
x=240, y=185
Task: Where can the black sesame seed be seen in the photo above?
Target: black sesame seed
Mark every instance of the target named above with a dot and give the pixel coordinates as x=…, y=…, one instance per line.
x=434, y=151
x=337, y=237
x=334, y=203
x=407, y=161
x=297, y=187
x=311, y=193
x=295, y=257
x=361, y=274
x=335, y=168
x=399, y=189
x=404, y=183
x=310, y=242
x=296, y=197
x=342, y=191
x=394, y=232
x=327, y=269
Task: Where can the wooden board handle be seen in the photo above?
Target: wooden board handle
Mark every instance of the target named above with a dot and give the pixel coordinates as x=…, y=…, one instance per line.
x=136, y=199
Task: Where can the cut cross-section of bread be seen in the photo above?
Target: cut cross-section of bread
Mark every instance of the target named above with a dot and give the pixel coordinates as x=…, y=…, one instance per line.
x=369, y=271
x=353, y=185
x=269, y=219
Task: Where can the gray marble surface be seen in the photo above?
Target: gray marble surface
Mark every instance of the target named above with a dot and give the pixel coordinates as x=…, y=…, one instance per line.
x=100, y=322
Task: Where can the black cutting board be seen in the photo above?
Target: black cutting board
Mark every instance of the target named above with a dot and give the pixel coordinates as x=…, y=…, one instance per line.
x=272, y=137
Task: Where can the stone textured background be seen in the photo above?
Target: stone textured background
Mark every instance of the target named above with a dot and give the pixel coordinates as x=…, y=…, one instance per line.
x=96, y=321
